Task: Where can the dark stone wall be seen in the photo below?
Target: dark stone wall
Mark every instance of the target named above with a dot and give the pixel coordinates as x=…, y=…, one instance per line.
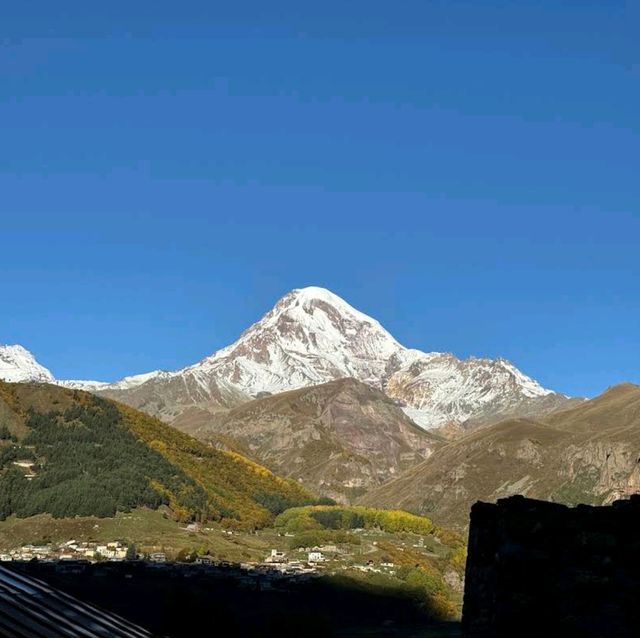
x=543, y=569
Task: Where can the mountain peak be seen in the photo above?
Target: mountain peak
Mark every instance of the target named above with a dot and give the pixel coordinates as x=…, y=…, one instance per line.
x=315, y=292
x=313, y=297
x=310, y=336
x=18, y=364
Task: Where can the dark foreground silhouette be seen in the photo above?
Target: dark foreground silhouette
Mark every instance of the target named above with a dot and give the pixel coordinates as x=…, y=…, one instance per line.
x=178, y=600
x=538, y=569
x=30, y=608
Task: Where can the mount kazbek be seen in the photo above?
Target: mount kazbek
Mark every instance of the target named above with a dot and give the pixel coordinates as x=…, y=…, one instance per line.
x=310, y=337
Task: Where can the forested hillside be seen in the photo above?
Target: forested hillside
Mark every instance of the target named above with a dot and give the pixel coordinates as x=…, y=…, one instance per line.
x=69, y=453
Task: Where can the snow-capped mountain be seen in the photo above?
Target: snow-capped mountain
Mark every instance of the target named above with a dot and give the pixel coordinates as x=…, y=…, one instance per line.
x=18, y=364
x=312, y=336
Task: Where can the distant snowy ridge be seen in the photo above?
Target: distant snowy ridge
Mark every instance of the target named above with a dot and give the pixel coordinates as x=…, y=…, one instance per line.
x=441, y=389
x=17, y=364
x=125, y=383
x=312, y=336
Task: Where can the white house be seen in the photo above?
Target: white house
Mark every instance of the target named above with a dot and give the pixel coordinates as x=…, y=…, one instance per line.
x=276, y=557
x=316, y=557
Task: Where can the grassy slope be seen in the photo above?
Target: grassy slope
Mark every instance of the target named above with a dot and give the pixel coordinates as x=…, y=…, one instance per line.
x=232, y=483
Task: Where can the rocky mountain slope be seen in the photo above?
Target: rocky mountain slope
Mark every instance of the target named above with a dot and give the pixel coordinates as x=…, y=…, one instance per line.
x=69, y=453
x=586, y=454
x=438, y=389
x=169, y=395
x=310, y=337
x=339, y=439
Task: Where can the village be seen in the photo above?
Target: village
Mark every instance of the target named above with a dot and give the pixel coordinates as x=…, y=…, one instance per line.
x=71, y=550
x=232, y=562
x=300, y=564
x=328, y=559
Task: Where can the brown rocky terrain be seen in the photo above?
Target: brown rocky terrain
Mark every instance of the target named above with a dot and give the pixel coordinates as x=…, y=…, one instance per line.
x=340, y=438
x=167, y=396
x=586, y=454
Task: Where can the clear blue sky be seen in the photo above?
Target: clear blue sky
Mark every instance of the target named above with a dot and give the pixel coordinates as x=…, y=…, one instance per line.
x=466, y=172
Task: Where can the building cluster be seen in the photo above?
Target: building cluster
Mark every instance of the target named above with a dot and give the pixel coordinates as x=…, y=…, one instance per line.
x=277, y=566
x=70, y=550
x=279, y=562
x=318, y=559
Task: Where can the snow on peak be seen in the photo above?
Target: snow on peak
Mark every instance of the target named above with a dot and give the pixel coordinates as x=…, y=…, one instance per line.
x=314, y=296
x=18, y=364
x=310, y=336
x=81, y=384
x=311, y=307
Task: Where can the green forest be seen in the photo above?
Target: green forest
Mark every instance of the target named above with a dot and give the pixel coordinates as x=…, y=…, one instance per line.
x=69, y=453
x=86, y=463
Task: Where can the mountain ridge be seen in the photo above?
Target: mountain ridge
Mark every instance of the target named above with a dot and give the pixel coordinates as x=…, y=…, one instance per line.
x=311, y=336
x=339, y=438
x=587, y=453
